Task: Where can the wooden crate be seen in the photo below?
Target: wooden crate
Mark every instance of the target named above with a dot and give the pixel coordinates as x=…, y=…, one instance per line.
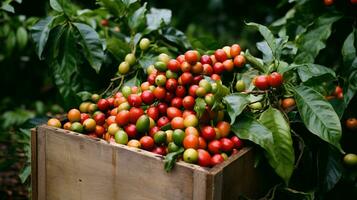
x=67, y=165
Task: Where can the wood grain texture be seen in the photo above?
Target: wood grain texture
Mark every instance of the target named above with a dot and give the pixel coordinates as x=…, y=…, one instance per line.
x=240, y=178
x=34, y=164
x=75, y=166
x=41, y=163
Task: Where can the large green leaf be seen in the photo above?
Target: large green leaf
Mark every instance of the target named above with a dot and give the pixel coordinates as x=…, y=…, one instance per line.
x=91, y=45
x=318, y=115
x=55, y=5
x=348, y=52
x=330, y=167
x=274, y=120
x=235, y=103
x=312, y=41
x=267, y=34
x=64, y=63
x=7, y=7
x=266, y=51
x=118, y=48
x=156, y=17
x=250, y=129
x=255, y=62
x=176, y=36
x=40, y=33
x=63, y=6
x=137, y=19
x=309, y=70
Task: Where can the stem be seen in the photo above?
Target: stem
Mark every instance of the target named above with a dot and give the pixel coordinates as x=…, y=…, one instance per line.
x=255, y=92
x=232, y=84
x=115, y=90
x=106, y=90
x=301, y=145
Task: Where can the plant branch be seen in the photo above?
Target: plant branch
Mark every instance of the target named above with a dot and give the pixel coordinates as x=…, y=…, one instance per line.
x=301, y=146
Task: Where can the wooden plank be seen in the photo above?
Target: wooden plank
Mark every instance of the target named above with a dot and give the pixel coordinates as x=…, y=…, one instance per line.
x=217, y=186
x=240, y=178
x=34, y=164
x=90, y=169
x=200, y=185
x=75, y=166
x=41, y=164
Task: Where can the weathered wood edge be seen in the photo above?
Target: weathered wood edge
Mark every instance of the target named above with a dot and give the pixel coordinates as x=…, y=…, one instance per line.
x=207, y=181
x=213, y=170
x=218, y=168
x=34, y=166
x=41, y=163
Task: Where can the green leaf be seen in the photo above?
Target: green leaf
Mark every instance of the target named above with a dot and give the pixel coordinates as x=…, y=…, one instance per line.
x=318, y=115
x=267, y=53
x=280, y=22
x=10, y=43
x=170, y=159
x=8, y=8
x=116, y=7
x=176, y=36
x=15, y=117
x=250, y=129
x=338, y=105
x=274, y=120
x=247, y=76
x=22, y=37
x=64, y=63
x=118, y=48
x=268, y=36
x=132, y=82
x=200, y=107
x=91, y=45
x=221, y=92
x=25, y=173
x=137, y=19
x=330, y=167
x=235, y=103
x=84, y=95
x=289, y=49
x=40, y=33
x=63, y=6
x=350, y=87
x=255, y=62
x=309, y=70
x=147, y=60
x=156, y=17
x=285, y=67
x=136, y=38
x=312, y=41
x=55, y=5
x=348, y=52
x=127, y=3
